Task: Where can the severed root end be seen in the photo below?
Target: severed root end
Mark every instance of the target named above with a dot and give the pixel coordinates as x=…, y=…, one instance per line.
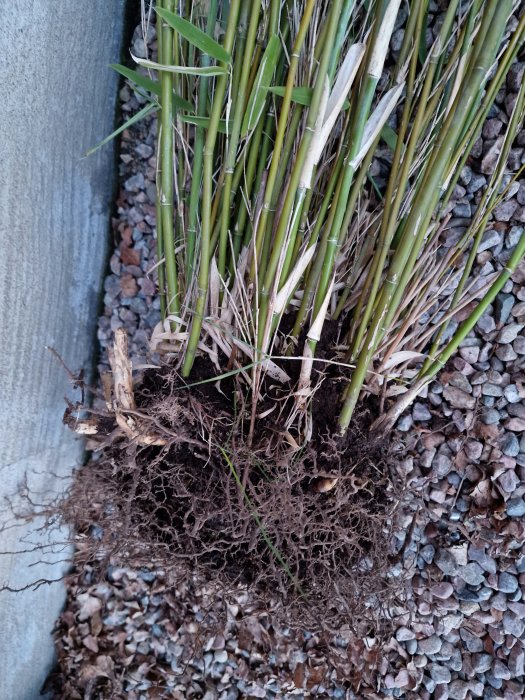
x=120, y=401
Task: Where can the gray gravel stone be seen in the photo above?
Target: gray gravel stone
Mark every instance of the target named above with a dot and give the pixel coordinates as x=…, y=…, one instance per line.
x=446, y=562
x=515, y=507
x=431, y=645
x=465, y=176
x=491, y=128
x=503, y=306
x=512, y=624
x=135, y=183
x=496, y=683
x=462, y=209
x=507, y=583
x=404, y=423
x=500, y=670
x=509, y=332
x=472, y=642
x=489, y=389
x=427, y=553
x=403, y=634
x=515, y=76
x=505, y=211
x=458, y=398
x=519, y=345
x=481, y=662
x=458, y=690
x=480, y=556
x=420, y=412
x=490, y=159
x=472, y=574
x=442, y=464
x=490, y=416
x=440, y=674
x=512, y=394
x=470, y=354
x=510, y=445
x=506, y=353
x=476, y=183
x=486, y=324
x=508, y=481
x=442, y=590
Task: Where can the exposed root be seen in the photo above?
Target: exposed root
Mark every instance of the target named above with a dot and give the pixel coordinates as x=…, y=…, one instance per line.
x=176, y=482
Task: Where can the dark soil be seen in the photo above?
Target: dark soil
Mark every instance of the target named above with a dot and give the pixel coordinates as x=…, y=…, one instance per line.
x=309, y=528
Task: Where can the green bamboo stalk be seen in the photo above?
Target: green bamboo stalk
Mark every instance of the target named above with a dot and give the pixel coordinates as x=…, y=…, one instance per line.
x=161, y=277
x=193, y=210
x=465, y=146
x=467, y=325
x=166, y=166
x=398, y=181
x=424, y=205
x=335, y=233
x=207, y=192
x=485, y=207
x=240, y=96
x=312, y=275
x=281, y=128
x=293, y=200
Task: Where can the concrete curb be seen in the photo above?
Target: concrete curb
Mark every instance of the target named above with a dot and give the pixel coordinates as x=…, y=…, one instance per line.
x=58, y=99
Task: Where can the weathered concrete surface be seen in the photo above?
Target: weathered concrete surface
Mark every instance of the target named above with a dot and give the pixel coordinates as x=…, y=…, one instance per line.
x=58, y=99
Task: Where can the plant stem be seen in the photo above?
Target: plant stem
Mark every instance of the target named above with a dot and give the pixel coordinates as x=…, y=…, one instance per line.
x=166, y=166
x=207, y=193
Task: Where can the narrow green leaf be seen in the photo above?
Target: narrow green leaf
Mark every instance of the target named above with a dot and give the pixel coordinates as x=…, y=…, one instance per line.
x=150, y=85
x=141, y=80
x=185, y=70
x=224, y=126
x=261, y=85
x=195, y=36
x=132, y=120
x=301, y=95
x=389, y=136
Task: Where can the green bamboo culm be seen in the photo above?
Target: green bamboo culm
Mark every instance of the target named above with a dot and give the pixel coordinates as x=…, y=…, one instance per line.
x=193, y=208
x=495, y=16
x=166, y=143
x=207, y=193
x=268, y=216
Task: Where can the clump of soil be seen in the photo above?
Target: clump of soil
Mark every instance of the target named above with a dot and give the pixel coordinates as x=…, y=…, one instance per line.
x=306, y=528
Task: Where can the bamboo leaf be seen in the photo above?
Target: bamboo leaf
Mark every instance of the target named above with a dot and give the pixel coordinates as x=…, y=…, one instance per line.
x=317, y=326
x=293, y=280
x=344, y=79
x=185, y=70
x=261, y=85
x=301, y=95
x=133, y=120
x=377, y=121
x=150, y=85
x=382, y=43
x=389, y=136
x=336, y=100
x=224, y=125
x=195, y=36
x=141, y=80
x=402, y=356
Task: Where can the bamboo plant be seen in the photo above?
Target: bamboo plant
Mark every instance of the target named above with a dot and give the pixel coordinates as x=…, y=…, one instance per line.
x=270, y=115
